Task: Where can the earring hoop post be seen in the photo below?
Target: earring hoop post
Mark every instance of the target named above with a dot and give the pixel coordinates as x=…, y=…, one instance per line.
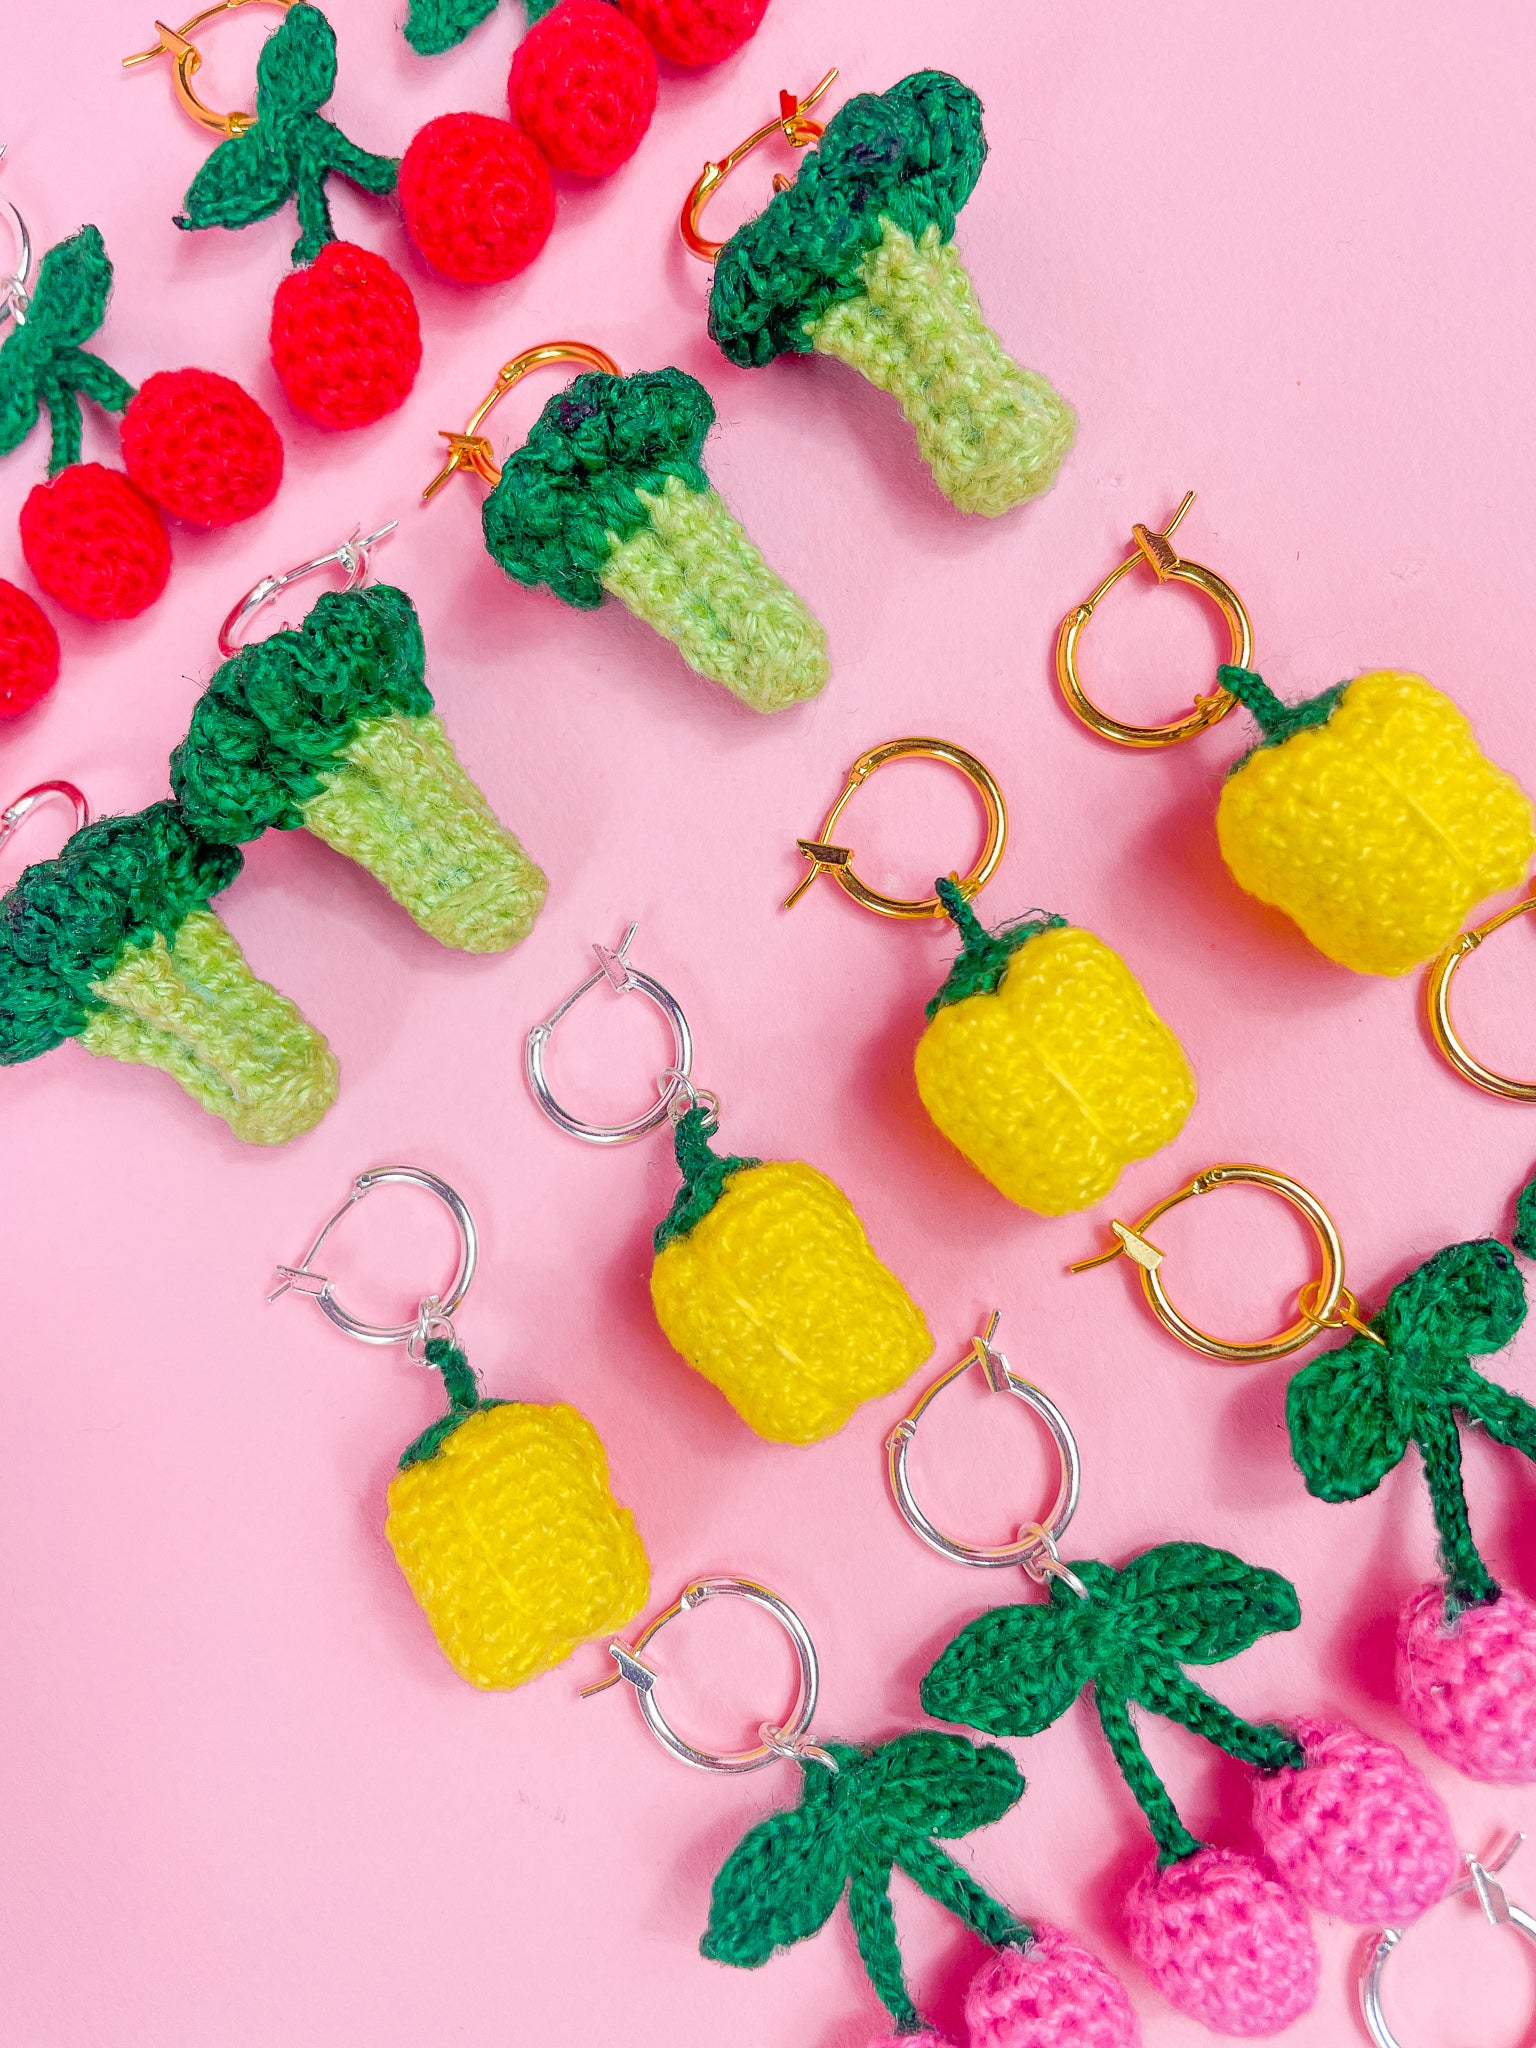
x=471, y=449
x=14, y=297
x=353, y=555
x=613, y=966
x=187, y=60
x=1498, y=1909
x=791, y=123
x=17, y=812
x=1438, y=1002
x=302, y=1278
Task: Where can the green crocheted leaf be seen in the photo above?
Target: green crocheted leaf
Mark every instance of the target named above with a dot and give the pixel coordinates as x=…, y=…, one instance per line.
x=572, y=492
x=932, y=1786
x=705, y=1173
x=1011, y=1671
x=278, y=716
x=433, y=26
x=985, y=956
x=68, y=922
x=782, y=1882
x=463, y=1401
x=296, y=70
x=910, y=156
x=1198, y=1605
x=1347, y=1432
x=246, y=179
x=1468, y=1299
x=42, y=364
x=1277, y=721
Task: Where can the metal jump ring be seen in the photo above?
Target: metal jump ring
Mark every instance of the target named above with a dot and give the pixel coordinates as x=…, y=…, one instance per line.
x=614, y=968
x=14, y=297
x=785, y=1738
x=304, y=1280
x=354, y=556
x=1499, y=1910
x=1035, y=1549
x=16, y=814
x=1438, y=996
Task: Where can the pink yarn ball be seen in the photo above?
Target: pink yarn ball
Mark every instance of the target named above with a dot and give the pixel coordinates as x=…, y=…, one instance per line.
x=1224, y=1942
x=1053, y=1994
x=1358, y=1831
x=1470, y=1689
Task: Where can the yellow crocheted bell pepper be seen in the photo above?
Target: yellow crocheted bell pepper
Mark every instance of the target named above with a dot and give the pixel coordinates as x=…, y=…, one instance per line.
x=1370, y=816
x=767, y=1285
x=502, y=1521
x=1045, y=1064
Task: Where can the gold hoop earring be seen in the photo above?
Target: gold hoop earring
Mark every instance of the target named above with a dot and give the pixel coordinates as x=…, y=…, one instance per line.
x=1438, y=997
x=175, y=43
x=471, y=449
x=791, y=123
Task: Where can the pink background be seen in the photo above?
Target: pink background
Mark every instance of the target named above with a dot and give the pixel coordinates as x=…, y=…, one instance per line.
x=1281, y=255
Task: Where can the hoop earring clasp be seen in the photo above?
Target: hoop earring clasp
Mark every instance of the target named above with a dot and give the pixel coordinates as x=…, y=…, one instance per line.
x=353, y=556
x=14, y=297
x=1153, y=550
x=471, y=449
x=1438, y=997
x=176, y=44
x=791, y=123
x=16, y=814
x=1325, y=1302
x=614, y=968
x=837, y=861
x=1498, y=1909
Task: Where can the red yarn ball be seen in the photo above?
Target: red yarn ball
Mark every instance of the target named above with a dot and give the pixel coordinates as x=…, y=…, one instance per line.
x=696, y=32
x=346, y=340
x=95, y=542
x=201, y=447
x=29, y=652
x=477, y=197
x=583, y=85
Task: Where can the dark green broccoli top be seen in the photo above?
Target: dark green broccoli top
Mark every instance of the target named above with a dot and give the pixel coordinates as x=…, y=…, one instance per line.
x=570, y=493
x=279, y=714
x=910, y=156
x=43, y=366
x=68, y=922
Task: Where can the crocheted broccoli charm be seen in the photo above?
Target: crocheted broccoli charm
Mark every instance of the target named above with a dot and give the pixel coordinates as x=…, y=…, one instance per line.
x=767, y=1285
x=193, y=444
x=608, y=493
x=346, y=340
x=331, y=727
x=1370, y=816
x=1044, y=1063
x=856, y=260
x=1347, y=1820
x=1466, y=1650
x=113, y=943
x=866, y=1813
x=502, y=1521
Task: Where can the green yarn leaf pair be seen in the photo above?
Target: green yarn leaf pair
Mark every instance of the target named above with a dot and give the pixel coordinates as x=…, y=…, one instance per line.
x=1277, y=721
x=289, y=150
x=1353, y=1412
x=985, y=957
x=43, y=366
x=464, y=1400
x=1016, y=1670
x=705, y=1173
x=433, y=26
x=862, y=1816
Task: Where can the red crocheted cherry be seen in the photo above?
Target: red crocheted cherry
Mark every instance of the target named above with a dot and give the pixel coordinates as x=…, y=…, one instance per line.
x=29, y=652
x=696, y=32
x=477, y=197
x=583, y=85
x=201, y=447
x=346, y=341
x=95, y=542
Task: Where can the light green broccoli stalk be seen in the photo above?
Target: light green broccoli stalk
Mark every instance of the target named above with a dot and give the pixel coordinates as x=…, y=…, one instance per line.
x=608, y=493
x=331, y=726
x=856, y=260
x=113, y=943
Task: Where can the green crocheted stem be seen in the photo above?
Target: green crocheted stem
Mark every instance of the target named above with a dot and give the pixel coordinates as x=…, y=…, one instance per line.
x=463, y=1401
x=194, y=1009
x=432, y=26
x=952, y=1887
x=1468, y=1580
x=399, y=803
x=1277, y=722
x=693, y=576
x=993, y=433
x=44, y=368
x=705, y=1173
x=1173, y=1839
x=985, y=956
x=1178, y=1698
x=874, y=1928
x=1505, y=1416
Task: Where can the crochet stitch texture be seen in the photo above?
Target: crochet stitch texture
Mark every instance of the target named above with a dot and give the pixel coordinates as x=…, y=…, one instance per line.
x=29, y=652
x=201, y=447
x=1467, y=1684
x=583, y=87
x=1052, y=1994
x=696, y=32
x=95, y=543
x=477, y=197
x=1224, y=1942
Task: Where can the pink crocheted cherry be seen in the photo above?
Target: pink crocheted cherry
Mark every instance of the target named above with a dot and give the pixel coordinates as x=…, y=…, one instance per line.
x=1470, y=1688
x=1224, y=1941
x=1053, y=1994
x=1358, y=1831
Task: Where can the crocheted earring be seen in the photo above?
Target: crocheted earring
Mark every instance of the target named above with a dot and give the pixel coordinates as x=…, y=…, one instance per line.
x=346, y=340
x=500, y=1514
x=866, y=1812
x=763, y=1278
x=1466, y=1653
x=114, y=943
x=856, y=260
x=1367, y=814
x=608, y=495
x=29, y=652
x=332, y=727
x=1348, y=1824
x=476, y=197
x=194, y=444
x=1019, y=1009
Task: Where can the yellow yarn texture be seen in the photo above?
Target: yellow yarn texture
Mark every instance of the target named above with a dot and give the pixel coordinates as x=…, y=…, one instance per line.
x=196, y=1011
x=1059, y=1078
x=993, y=434
x=513, y=1544
x=694, y=576
x=1380, y=830
x=778, y=1299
